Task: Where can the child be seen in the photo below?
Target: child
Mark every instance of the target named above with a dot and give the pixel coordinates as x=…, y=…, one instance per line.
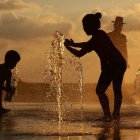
x=113, y=65
x=11, y=59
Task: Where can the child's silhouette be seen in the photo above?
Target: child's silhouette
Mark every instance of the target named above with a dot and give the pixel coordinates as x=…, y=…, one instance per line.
x=113, y=65
x=11, y=59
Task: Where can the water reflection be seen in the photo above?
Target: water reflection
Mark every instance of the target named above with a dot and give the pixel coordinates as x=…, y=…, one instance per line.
x=107, y=133
x=6, y=126
x=29, y=123
x=6, y=123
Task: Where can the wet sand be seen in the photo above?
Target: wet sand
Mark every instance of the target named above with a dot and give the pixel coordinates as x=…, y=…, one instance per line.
x=40, y=122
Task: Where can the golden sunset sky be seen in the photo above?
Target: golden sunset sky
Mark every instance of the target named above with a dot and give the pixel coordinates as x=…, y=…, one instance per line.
x=28, y=26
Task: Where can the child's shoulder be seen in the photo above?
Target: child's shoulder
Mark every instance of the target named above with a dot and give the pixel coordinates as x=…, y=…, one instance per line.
x=1, y=66
x=102, y=32
x=4, y=69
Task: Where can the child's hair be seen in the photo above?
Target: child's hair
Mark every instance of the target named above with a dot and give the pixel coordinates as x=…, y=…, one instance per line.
x=92, y=20
x=12, y=56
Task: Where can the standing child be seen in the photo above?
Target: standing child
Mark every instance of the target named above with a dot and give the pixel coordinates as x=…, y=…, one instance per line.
x=11, y=59
x=113, y=65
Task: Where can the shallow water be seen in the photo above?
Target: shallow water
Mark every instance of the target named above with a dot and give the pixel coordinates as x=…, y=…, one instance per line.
x=40, y=122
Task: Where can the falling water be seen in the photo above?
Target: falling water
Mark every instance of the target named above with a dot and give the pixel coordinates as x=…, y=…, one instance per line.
x=136, y=97
x=79, y=69
x=55, y=69
x=81, y=85
x=57, y=65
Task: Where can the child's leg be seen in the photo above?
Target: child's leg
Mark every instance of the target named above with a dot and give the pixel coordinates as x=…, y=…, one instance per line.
x=2, y=110
x=117, y=84
x=103, y=83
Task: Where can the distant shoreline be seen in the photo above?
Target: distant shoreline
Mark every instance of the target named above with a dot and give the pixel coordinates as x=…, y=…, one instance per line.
x=40, y=92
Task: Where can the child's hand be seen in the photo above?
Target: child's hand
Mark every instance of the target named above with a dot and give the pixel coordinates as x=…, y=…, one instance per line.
x=66, y=43
x=69, y=42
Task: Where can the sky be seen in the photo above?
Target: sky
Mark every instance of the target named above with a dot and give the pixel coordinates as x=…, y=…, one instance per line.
x=28, y=27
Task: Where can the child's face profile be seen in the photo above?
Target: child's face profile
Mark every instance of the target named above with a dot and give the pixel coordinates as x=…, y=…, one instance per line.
x=11, y=65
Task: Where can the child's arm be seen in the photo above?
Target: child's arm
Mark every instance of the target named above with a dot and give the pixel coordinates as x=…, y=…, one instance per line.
x=86, y=47
x=73, y=44
x=79, y=53
x=8, y=87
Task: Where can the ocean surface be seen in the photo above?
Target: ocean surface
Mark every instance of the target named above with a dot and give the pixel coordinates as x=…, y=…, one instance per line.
x=39, y=121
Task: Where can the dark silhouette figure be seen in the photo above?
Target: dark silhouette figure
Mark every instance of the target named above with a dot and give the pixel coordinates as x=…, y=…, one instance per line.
x=118, y=38
x=113, y=65
x=11, y=59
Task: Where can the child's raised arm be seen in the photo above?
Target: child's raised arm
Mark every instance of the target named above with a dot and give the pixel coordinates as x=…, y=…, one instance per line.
x=81, y=52
x=73, y=44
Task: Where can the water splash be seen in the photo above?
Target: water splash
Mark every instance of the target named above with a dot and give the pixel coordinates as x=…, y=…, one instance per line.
x=55, y=70
x=59, y=67
x=136, y=97
x=14, y=82
x=82, y=90
x=80, y=74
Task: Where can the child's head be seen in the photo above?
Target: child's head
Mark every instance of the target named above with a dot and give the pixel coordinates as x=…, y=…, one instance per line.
x=11, y=58
x=91, y=23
